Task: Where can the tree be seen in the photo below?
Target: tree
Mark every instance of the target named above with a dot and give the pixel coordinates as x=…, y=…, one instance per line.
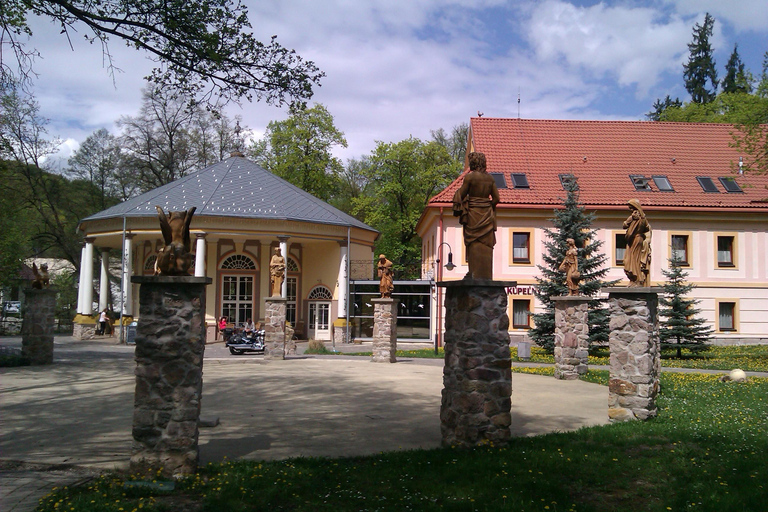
x=455, y=143
x=352, y=184
x=571, y=221
x=299, y=150
x=728, y=107
x=681, y=329
x=736, y=78
x=203, y=48
x=402, y=177
x=660, y=107
x=98, y=160
x=700, y=68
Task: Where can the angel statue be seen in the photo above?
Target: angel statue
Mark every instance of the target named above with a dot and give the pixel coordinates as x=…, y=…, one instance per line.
x=175, y=259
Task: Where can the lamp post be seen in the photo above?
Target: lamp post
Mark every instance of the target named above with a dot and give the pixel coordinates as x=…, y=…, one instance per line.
x=450, y=266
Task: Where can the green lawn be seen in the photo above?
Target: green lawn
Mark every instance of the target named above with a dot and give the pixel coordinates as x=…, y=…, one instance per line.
x=707, y=450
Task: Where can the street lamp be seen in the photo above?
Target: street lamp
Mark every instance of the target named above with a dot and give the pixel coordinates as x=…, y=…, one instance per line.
x=449, y=266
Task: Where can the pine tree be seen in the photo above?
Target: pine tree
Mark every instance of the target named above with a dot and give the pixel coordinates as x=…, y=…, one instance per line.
x=571, y=222
x=660, y=106
x=682, y=328
x=701, y=64
x=736, y=79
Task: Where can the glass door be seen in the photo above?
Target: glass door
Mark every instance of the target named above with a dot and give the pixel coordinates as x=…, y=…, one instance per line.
x=319, y=320
x=237, y=298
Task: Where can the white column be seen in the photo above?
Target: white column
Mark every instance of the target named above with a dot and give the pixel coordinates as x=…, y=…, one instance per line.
x=80, y=286
x=200, y=256
x=127, y=273
x=104, y=280
x=86, y=273
x=284, y=252
x=343, y=280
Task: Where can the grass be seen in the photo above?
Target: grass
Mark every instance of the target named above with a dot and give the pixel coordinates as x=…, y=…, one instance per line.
x=707, y=450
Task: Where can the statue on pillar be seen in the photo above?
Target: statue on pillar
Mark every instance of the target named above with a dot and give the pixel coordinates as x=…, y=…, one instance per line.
x=570, y=265
x=42, y=280
x=175, y=259
x=276, y=273
x=637, y=257
x=475, y=205
x=386, y=277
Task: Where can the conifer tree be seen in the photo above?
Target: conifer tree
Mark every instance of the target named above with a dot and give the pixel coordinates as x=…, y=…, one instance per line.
x=572, y=221
x=681, y=327
x=736, y=78
x=701, y=64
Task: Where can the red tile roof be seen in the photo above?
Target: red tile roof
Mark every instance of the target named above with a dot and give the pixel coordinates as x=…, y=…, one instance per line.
x=603, y=154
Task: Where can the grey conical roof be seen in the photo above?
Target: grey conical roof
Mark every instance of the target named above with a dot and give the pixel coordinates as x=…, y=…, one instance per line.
x=235, y=187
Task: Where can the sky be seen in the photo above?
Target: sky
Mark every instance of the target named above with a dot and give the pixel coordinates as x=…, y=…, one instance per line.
x=400, y=68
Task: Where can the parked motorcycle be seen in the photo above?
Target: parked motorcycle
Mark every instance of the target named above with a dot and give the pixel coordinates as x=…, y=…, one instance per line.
x=240, y=342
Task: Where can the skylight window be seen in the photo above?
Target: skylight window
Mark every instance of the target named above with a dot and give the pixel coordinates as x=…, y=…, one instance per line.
x=569, y=182
x=707, y=184
x=663, y=184
x=520, y=180
x=640, y=182
x=499, y=179
x=730, y=185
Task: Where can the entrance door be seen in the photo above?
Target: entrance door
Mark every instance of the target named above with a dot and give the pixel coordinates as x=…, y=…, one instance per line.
x=237, y=298
x=319, y=320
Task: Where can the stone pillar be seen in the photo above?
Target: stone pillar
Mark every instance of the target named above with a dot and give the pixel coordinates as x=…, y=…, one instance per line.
x=571, y=336
x=384, y=330
x=80, y=286
x=274, y=327
x=200, y=255
x=343, y=286
x=86, y=278
x=477, y=377
x=127, y=274
x=340, y=331
x=104, y=280
x=37, y=326
x=635, y=353
x=284, y=251
x=290, y=343
x=170, y=340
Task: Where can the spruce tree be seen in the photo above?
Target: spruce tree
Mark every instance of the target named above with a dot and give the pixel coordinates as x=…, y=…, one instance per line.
x=682, y=328
x=736, y=79
x=701, y=64
x=661, y=106
x=572, y=221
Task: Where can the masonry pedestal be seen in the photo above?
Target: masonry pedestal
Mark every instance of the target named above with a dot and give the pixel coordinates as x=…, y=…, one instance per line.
x=37, y=327
x=274, y=327
x=571, y=336
x=477, y=377
x=635, y=353
x=384, y=330
x=170, y=340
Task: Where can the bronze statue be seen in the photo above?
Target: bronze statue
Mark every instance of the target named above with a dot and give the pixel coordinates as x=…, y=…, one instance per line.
x=42, y=279
x=175, y=259
x=637, y=258
x=570, y=266
x=276, y=273
x=475, y=205
x=386, y=275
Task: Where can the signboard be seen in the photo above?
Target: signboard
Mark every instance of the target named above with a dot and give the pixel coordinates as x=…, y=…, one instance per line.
x=520, y=290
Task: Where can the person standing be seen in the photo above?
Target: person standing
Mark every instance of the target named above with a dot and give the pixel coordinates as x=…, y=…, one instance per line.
x=103, y=319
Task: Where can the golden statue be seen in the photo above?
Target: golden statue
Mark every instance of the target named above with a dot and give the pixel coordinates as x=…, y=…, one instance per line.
x=276, y=273
x=42, y=279
x=386, y=276
x=637, y=257
x=175, y=259
x=570, y=266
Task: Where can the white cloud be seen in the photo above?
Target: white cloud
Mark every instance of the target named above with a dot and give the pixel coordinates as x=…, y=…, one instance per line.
x=744, y=15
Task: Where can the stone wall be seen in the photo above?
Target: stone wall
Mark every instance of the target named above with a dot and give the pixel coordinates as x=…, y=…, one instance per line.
x=477, y=377
x=384, y=330
x=635, y=362
x=170, y=340
x=274, y=328
x=571, y=336
x=37, y=327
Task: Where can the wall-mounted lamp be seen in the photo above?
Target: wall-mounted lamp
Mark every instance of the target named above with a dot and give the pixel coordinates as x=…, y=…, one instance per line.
x=449, y=266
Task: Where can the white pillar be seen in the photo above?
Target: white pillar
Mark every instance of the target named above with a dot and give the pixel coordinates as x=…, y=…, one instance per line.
x=86, y=273
x=284, y=252
x=343, y=280
x=200, y=256
x=80, y=285
x=104, y=280
x=127, y=273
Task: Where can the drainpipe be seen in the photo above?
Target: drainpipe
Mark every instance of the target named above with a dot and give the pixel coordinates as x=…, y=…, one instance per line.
x=439, y=291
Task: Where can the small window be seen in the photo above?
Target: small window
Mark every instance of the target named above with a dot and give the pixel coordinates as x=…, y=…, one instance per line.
x=730, y=185
x=707, y=184
x=725, y=251
x=621, y=248
x=640, y=182
x=499, y=179
x=521, y=243
x=726, y=313
x=521, y=313
x=320, y=292
x=569, y=182
x=520, y=180
x=663, y=184
x=680, y=249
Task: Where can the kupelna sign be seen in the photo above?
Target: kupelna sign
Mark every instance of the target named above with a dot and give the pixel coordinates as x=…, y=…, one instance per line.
x=520, y=290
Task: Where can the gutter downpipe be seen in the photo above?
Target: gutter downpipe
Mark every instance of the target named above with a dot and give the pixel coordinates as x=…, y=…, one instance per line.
x=438, y=291
x=122, y=284
x=348, y=337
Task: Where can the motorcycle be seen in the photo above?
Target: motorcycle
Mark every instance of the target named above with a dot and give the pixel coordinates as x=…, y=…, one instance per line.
x=241, y=342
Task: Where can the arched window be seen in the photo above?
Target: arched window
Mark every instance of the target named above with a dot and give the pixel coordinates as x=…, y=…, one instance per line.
x=237, y=288
x=320, y=292
x=292, y=266
x=238, y=262
x=149, y=264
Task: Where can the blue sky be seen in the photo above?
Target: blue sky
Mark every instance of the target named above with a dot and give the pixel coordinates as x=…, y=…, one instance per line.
x=397, y=68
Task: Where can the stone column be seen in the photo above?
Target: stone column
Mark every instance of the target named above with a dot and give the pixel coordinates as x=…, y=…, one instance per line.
x=635, y=353
x=571, y=336
x=37, y=326
x=104, y=280
x=343, y=288
x=284, y=251
x=274, y=327
x=477, y=378
x=80, y=286
x=170, y=340
x=384, y=330
x=86, y=278
x=200, y=255
x=127, y=274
